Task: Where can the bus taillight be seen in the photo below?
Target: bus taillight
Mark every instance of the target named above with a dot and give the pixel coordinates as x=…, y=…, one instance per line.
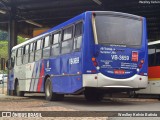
x=94, y=62
x=141, y=64
x=142, y=61
x=134, y=56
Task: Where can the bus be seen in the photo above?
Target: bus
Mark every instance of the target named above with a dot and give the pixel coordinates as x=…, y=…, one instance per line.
x=153, y=87
x=94, y=53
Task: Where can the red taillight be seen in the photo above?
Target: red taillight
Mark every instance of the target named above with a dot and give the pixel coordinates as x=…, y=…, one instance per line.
x=142, y=61
x=141, y=64
x=134, y=56
x=94, y=62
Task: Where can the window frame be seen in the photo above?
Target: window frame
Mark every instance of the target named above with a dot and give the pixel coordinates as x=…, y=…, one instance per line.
x=19, y=56
x=32, y=51
x=43, y=39
x=59, y=41
x=24, y=53
x=37, y=50
x=49, y=45
x=79, y=49
x=72, y=38
x=66, y=27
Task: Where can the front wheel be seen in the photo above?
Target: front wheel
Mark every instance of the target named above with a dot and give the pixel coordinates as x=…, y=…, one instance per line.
x=49, y=95
x=17, y=91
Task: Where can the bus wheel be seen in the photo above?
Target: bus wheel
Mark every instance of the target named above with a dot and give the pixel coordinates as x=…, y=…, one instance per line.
x=49, y=95
x=158, y=97
x=133, y=94
x=17, y=91
x=92, y=94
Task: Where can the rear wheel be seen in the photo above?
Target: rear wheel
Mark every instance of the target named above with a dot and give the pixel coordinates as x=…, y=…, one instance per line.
x=49, y=95
x=133, y=94
x=17, y=91
x=91, y=94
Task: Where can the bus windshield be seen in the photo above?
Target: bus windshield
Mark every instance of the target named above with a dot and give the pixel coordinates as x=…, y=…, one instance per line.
x=118, y=30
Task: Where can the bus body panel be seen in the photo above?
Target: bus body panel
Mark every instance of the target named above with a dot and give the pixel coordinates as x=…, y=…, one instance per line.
x=65, y=70
x=69, y=80
x=106, y=54
x=74, y=71
x=102, y=81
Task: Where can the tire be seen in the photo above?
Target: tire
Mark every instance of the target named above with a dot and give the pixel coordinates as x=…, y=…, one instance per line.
x=49, y=94
x=159, y=97
x=133, y=94
x=17, y=91
x=92, y=94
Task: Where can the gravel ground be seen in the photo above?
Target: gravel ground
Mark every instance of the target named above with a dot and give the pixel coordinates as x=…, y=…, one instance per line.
x=11, y=103
x=31, y=104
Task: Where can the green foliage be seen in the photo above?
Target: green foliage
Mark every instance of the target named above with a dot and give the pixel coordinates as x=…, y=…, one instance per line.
x=4, y=47
x=4, y=50
x=20, y=39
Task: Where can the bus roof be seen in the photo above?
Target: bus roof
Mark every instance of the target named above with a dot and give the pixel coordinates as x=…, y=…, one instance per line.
x=28, y=41
x=76, y=18
x=51, y=30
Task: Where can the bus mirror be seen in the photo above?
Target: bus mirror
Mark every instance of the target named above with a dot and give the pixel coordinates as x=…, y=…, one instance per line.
x=7, y=64
x=12, y=63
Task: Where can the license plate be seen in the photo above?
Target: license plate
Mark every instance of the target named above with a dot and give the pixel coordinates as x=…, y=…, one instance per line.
x=120, y=72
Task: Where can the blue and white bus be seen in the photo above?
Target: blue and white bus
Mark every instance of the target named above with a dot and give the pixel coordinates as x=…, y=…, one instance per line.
x=93, y=53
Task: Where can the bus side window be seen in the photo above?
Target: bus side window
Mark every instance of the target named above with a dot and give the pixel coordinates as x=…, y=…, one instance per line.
x=157, y=56
x=31, y=52
x=26, y=55
x=38, y=52
x=78, y=36
x=56, y=44
x=19, y=56
x=46, y=47
x=67, y=41
x=13, y=54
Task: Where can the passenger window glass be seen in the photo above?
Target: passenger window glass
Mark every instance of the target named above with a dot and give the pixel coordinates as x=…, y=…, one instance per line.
x=19, y=56
x=31, y=47
x=19, y=52
x=78, y=29
x=46, y=41
x=26, y=49
x=56, y=38
x=67, y=33
x=78, y=36
x=31, y=55
x=66, y=46
x=38, y=47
